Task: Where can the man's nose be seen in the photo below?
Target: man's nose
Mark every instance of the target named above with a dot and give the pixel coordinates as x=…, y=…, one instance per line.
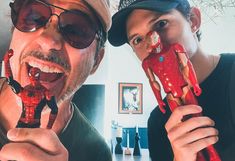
x=50, y=37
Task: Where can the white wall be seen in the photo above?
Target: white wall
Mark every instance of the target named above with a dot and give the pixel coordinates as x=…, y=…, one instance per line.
x=218, y=35
x=125, y=67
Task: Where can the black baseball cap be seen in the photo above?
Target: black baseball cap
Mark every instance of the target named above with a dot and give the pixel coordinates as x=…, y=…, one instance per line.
x=117, y=34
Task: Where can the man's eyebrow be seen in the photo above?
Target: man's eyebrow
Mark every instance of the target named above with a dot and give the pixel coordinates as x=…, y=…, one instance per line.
x=129, y=38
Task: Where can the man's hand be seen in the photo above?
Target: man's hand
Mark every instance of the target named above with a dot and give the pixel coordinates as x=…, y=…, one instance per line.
x=33, y=145
x=189, y=137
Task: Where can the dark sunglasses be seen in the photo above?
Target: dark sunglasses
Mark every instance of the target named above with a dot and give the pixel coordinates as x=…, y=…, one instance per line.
x=75, y=26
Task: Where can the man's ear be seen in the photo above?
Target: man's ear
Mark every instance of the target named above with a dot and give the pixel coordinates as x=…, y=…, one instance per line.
x=195, y=19
x=98, y=59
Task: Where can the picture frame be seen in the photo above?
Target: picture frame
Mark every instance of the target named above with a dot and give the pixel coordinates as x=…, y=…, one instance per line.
x=130, y=98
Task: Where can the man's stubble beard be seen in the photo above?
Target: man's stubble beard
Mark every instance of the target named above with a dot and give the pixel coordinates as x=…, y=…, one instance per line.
x=69, y=92
x=67, y=96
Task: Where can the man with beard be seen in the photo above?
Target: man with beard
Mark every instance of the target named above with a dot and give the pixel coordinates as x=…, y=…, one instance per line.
x=65, y=40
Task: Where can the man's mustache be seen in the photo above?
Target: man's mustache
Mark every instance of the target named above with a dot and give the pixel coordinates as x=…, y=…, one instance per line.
x=52, y=57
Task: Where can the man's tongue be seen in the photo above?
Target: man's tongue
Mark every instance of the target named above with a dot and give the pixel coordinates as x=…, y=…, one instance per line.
x=50, y=77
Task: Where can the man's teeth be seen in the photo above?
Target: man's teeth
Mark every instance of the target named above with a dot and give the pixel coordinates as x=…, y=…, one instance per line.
x=45, y=68
x=157, y=49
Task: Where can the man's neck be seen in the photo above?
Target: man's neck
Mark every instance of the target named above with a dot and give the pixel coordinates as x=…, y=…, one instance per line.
x=204, y=64
x=64, y=114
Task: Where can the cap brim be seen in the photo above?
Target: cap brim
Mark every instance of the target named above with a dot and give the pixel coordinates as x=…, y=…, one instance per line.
x=117, y=34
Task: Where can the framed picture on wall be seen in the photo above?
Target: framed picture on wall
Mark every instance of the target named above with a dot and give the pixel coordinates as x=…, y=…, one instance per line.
x=130, y=98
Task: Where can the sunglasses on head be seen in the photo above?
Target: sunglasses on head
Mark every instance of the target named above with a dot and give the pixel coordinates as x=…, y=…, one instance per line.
x=75, y=26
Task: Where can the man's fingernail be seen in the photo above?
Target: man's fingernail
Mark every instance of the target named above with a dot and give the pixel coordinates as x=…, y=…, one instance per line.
x=13, y=133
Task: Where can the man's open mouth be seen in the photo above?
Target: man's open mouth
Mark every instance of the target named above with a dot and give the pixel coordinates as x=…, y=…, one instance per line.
x=48, y=74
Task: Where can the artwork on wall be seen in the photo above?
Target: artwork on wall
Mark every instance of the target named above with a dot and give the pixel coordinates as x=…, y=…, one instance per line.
x=130, y=98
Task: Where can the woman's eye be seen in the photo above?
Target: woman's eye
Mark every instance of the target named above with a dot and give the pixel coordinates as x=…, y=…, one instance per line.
x=136, y=41
x=161, y=24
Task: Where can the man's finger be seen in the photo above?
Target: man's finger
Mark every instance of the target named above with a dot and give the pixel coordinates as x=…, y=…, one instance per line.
x=37, y=136
x=26, y=152
x=179, y=113
x=188, y=126
x=198, y=134
x=203, y=143
x=22, y=151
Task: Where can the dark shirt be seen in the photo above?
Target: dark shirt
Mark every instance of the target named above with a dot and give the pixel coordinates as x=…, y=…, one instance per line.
x=217, y=95
x=83, y=141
